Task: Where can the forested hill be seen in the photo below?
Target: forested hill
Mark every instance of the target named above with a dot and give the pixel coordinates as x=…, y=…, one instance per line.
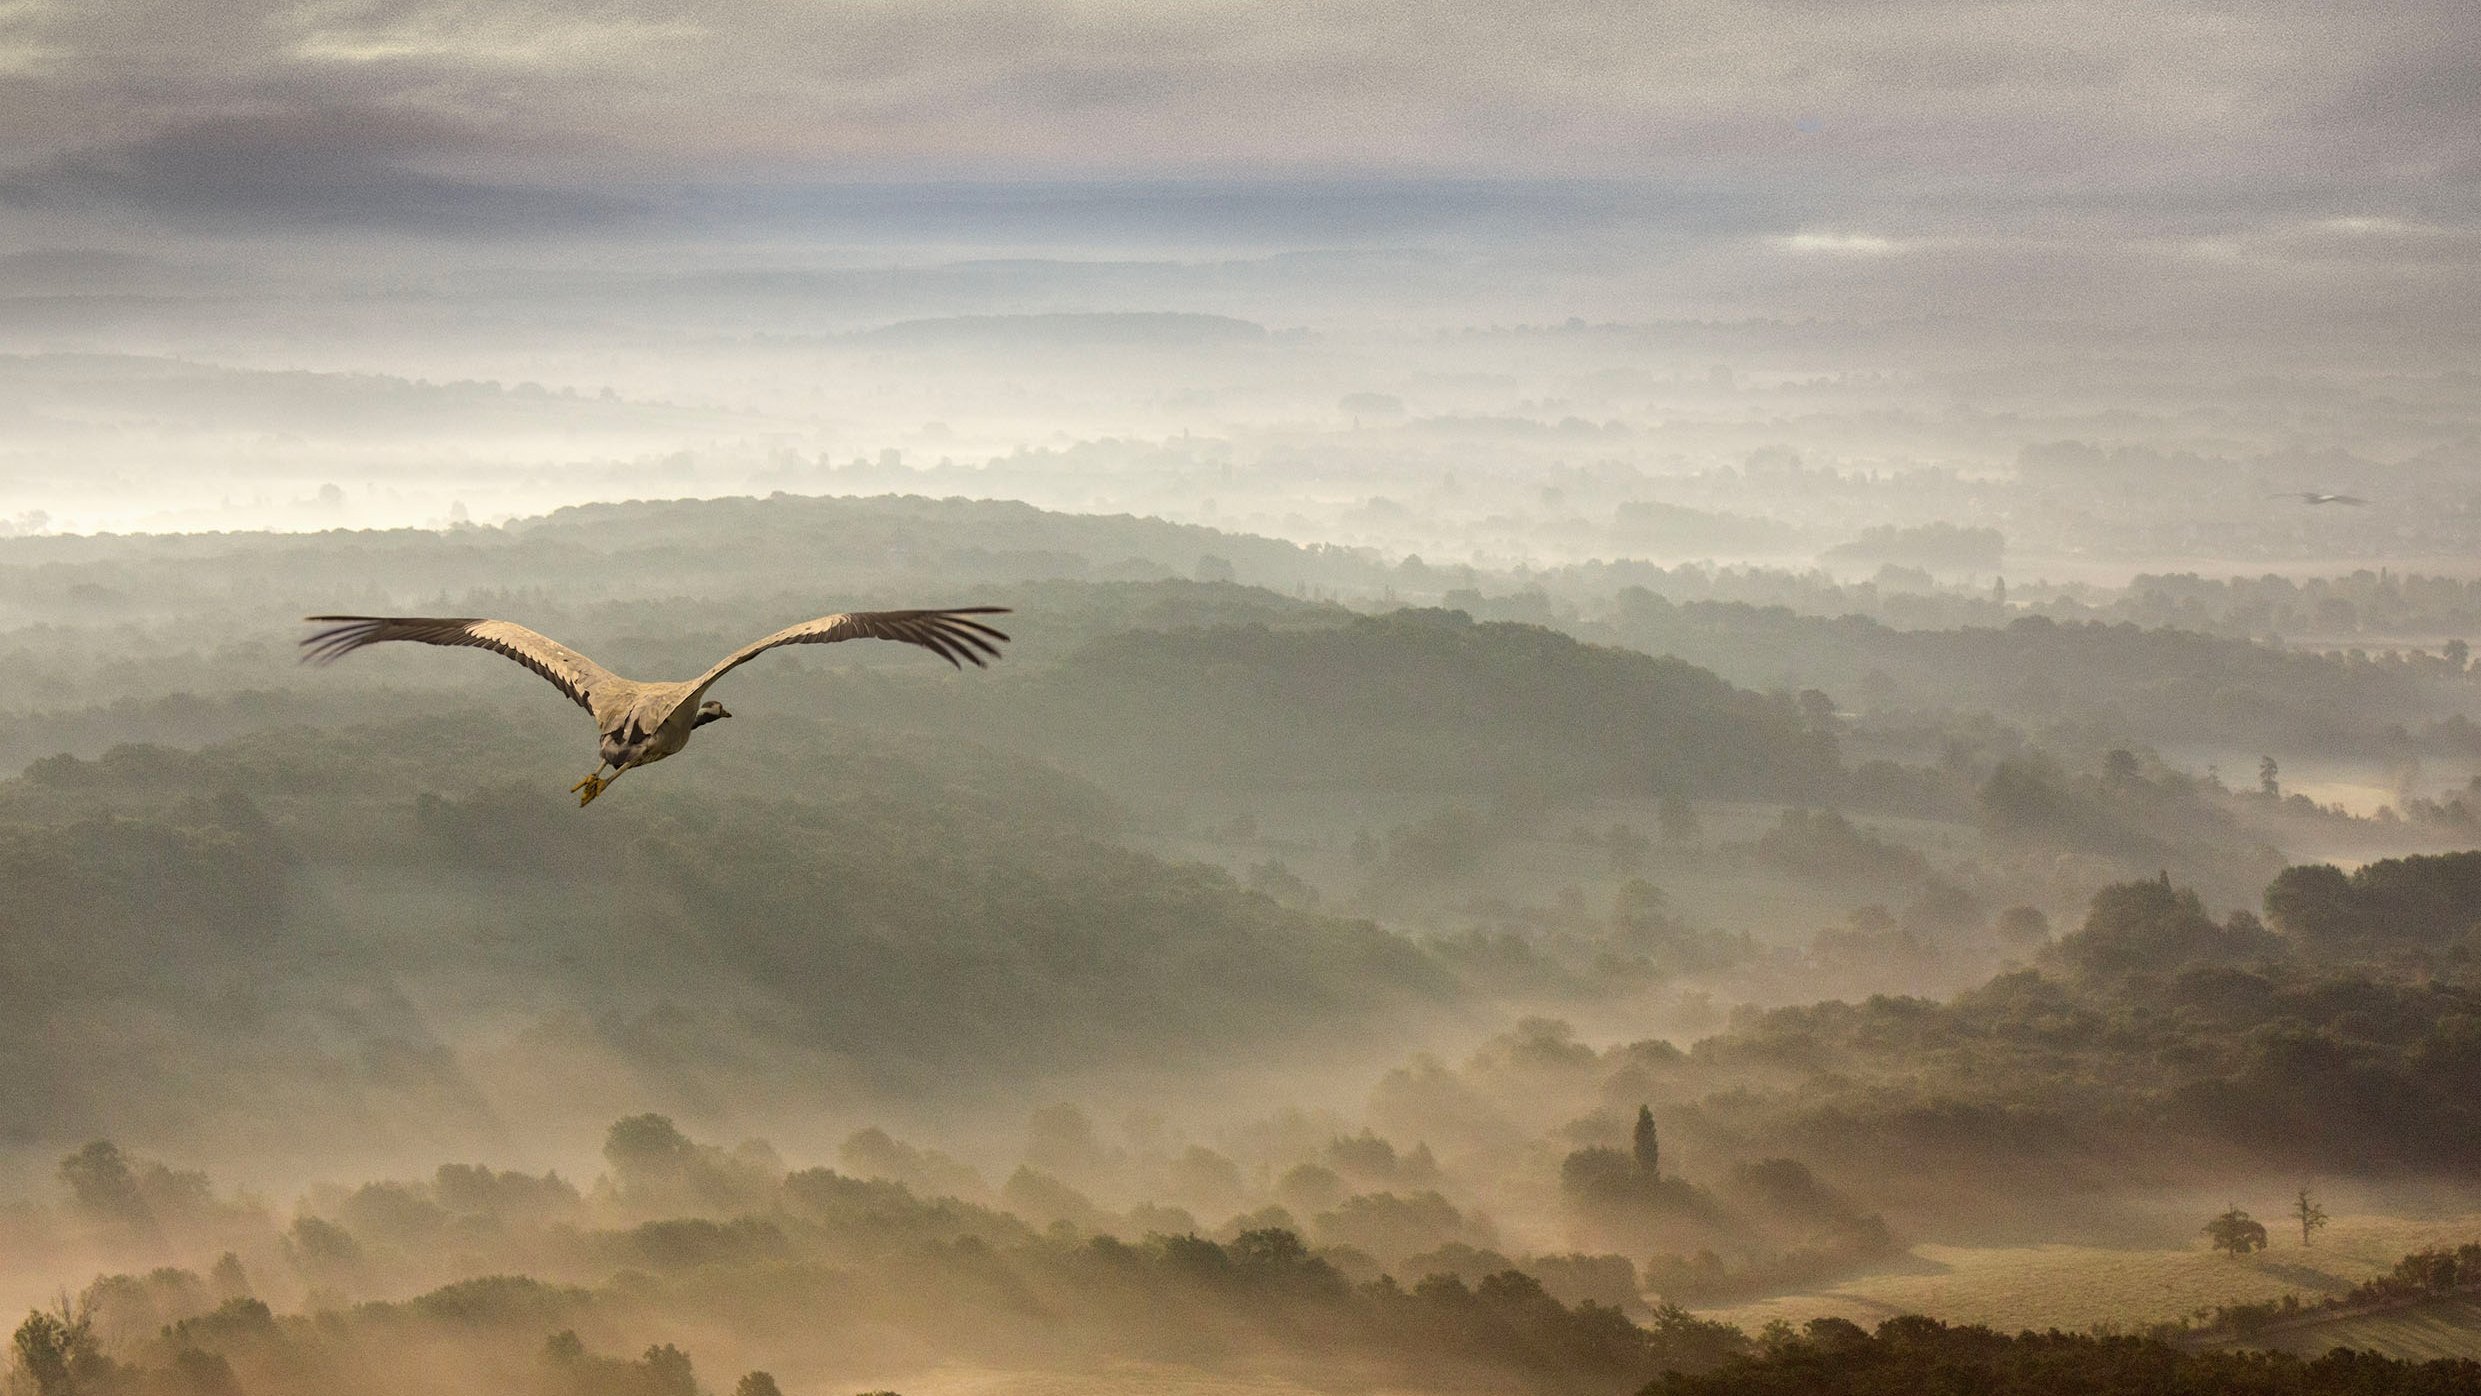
x=394, y=927
x=1145, y=680
x=658, y=586
x=836, y=546
x=2160, y=686
x=1411, y=701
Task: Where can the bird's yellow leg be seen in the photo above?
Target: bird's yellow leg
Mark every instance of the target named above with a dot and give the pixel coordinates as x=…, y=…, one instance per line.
x=593, y=785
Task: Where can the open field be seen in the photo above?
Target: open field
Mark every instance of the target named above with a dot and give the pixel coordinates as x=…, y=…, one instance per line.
x=2077, y=1287
x=2449, y=1327
x=1133, y=1379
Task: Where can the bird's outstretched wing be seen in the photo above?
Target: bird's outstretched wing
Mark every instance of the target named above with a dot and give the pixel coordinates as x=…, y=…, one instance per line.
x=583, y=680
x=953, y=635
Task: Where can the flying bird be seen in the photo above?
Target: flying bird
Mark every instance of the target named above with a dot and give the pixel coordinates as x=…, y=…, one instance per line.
x=643, y=723
x=2318, y=497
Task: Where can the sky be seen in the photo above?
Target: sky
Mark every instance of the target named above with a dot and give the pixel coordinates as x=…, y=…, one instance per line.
x=1853, y=158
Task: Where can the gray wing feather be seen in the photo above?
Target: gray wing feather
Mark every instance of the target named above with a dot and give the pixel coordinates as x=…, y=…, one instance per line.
x=584, y=681
x=953, y=635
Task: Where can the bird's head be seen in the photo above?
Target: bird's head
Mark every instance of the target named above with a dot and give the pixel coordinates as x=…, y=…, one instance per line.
x=710, y=711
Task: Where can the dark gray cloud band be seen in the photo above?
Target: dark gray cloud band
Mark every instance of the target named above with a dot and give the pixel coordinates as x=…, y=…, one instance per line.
x=2267, y=133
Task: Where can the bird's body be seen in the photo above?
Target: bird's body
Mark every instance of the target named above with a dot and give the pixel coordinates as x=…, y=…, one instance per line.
x=642, y=723
x=656, y=725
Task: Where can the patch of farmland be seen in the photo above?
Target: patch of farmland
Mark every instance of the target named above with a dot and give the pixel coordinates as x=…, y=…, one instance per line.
x=2012, y=1288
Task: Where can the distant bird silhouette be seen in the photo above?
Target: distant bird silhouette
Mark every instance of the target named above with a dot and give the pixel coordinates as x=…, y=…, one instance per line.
x=2318, y=497
x=646, y=722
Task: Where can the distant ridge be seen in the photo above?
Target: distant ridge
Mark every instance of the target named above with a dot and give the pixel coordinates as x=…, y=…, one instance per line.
x=1112, y=329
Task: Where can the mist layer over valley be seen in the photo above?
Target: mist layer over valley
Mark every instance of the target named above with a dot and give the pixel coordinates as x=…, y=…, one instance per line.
x=1308, y=916
x=1370, y=396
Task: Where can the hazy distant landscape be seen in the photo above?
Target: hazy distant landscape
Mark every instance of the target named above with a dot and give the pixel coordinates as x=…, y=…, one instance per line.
x=1435, y=900
x=1701, y=702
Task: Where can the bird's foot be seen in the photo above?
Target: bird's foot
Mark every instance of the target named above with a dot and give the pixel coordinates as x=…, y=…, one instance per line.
x=585, y=790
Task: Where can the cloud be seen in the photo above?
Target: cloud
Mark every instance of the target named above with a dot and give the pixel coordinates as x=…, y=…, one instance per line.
x=312, y=168
x=968, y=87
x=1887, y=142
x=1841, y=244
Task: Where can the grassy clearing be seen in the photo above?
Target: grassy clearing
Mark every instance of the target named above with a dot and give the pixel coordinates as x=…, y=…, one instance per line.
x=2433, y=1329
x=1127, y=1379
x=2078, y=1287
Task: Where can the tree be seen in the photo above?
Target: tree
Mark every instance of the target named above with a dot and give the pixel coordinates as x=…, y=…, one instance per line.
x=1629, y=850
x=647, y=1149
x=1678, y=820
x=103, y=1184
x=2310, y=1214
x=1364, y=849
x=228, y=1278
x=2435, y=1271
x=2236, y=1232
x=1599, y=1174
x=2120, y=769
x=57, y=1354
x=2269, y=778
x=1817, y=710
x=2029, y=796
x=757, y=1384
x=668, y=1372
x=2150, y=927
x=43, y=1355
x=1649, y=1154
x=2023, y=926
x=2317, y=904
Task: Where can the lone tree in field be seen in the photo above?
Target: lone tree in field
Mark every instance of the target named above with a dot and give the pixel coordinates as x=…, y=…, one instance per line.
x=2235, y=1232
x=2310, y=1214
x=1649, y=1150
